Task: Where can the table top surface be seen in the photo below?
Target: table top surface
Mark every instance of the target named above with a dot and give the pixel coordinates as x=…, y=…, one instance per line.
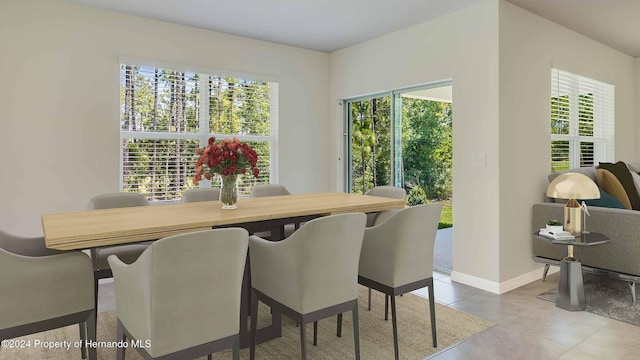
x=95, y=228
x=587, y=239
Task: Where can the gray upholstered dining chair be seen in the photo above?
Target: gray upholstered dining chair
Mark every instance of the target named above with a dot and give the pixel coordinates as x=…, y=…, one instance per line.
x=380, y=216
x=310, y=275
x=397, y=257
x=262, y=190
x=127, y=253
x=183, y=294
x=201, y=194
x=388, y=192
x=43, y=289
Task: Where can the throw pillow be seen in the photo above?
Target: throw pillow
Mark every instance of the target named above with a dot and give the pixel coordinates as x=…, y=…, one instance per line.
x=610, y=184
x=621, y=172
x=605, y=200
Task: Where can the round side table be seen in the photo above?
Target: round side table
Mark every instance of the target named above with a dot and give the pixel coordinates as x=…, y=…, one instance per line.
x=571, y=285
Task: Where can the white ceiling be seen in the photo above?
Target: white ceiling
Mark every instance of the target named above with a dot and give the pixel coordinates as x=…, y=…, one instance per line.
x=615, y=23
x=329, y=25
x=322, y=25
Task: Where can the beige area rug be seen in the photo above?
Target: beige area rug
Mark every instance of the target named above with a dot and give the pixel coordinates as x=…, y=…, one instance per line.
x=376, y=336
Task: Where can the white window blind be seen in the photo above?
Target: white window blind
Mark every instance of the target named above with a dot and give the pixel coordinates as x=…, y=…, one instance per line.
x=167, y=114
x=582, y=121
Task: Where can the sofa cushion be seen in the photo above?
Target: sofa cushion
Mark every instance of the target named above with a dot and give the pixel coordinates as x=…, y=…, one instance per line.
x=588, y=171
x=634, y=166
x=605, y=200
x=611, y=185
x=636, y=180
x=621, y=171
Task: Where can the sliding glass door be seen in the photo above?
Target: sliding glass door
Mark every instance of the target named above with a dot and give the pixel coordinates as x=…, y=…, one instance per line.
x=402, y=138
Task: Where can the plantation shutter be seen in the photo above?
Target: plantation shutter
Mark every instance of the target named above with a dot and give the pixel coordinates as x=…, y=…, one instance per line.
x=582, y=121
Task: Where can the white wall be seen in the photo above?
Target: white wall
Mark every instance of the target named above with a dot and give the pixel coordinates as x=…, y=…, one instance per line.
x=462, y=46
x=529, y=47
x=59, y=123
x=499, y=57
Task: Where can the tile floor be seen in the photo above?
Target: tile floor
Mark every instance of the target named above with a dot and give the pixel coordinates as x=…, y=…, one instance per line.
x=527, y=328
x=530, y=328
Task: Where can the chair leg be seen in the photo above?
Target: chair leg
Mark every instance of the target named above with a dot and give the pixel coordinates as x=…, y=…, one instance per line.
x=254, y=325
x=339, y=329
x=83, y=339
x=315, y=333
x=369, y=302
x=236, y=349
x=394, y=321
x=303, y=337
x=386, y=307
x=546, y=270
x=209, y=357
x=356, y=331
x=432, y=310
x=95, y=292
x=120, y=336
x=91, y=334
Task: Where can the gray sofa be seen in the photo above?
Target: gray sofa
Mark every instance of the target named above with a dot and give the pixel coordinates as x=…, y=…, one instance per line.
x=619, y=258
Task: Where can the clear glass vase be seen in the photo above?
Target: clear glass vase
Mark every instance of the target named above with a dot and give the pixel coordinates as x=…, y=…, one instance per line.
x=229, y=191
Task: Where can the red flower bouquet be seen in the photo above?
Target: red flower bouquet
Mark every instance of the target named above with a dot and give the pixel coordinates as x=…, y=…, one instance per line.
x=225, y=157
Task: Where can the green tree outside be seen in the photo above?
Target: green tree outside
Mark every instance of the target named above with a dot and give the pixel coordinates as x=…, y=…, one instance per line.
x=426, y=148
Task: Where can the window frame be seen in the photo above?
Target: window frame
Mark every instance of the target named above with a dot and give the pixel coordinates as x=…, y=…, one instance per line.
x=603, y=137
x=203, y=134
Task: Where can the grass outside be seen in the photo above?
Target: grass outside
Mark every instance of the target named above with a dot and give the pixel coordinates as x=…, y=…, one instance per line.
x=446, y=217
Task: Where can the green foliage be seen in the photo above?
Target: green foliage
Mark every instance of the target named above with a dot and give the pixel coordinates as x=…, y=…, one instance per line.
x=371, y=147
x=426, y=145
x=239, y=106
x=416, y=196
x=426, y=148
x=561, y=125
x=446, y=217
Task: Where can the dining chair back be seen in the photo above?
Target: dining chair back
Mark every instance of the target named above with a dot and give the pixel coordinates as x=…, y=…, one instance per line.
x=183, y=294
x=397, y=257
x=127, y=253
x=263, y=190
x=117, y=200
x=388, y=192
x=43, y=289
x=310, y=275
x=201, y=194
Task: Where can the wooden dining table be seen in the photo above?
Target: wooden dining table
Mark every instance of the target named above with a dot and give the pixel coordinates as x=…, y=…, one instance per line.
x=78, y=230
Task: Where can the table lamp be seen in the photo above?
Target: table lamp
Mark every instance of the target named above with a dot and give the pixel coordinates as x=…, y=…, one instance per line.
x=573, y=186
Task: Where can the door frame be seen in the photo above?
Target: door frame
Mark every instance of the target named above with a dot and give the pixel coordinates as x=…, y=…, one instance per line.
x=347, y=130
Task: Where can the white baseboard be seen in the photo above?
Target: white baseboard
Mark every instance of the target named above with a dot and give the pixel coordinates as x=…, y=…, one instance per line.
x=476, y=282
x=524, y=279
x=500, y=287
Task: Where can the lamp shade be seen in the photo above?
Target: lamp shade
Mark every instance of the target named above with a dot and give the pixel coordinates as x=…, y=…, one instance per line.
x=573, y=186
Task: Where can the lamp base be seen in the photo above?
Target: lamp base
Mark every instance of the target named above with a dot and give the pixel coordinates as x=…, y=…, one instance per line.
x=573, y=218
